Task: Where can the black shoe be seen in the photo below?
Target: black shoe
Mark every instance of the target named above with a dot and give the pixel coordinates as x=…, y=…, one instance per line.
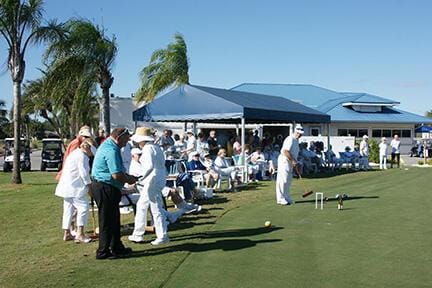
x=122, y=253
x=103, y=255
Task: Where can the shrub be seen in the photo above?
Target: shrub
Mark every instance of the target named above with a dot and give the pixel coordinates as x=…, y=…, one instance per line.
x=373, y=151
x=420, y=162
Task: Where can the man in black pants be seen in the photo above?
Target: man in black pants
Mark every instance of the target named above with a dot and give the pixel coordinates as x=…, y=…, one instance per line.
x=108, y=179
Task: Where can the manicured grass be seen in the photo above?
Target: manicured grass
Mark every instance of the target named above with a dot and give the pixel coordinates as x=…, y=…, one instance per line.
x=381, y=239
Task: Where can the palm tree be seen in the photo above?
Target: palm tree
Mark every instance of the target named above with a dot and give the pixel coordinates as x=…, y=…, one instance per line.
x=88, y=44
x=167, y=67
x=20, y=26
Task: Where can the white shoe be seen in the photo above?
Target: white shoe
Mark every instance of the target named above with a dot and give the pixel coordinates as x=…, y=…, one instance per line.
x=282, y=202
x=136, y=238
x=159, y=241
x=192, y=208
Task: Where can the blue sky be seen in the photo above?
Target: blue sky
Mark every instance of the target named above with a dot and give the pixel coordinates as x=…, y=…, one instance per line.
x=379, y=47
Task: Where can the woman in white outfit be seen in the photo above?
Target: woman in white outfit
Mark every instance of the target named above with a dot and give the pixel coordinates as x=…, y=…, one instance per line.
x=150, y=185
x=224, y=169
x=73, y=187
x=287, y=160
x=383, y=153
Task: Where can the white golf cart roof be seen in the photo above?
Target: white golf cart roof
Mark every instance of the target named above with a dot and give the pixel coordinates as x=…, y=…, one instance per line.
x=11, y=139
x=52, y=140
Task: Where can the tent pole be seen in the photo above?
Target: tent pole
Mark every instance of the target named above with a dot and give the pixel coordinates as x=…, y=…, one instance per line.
x=185, y=127
x=245, y=173
x=328, y=142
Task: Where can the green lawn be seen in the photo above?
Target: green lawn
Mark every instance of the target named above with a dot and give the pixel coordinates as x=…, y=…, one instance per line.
x=383, y=238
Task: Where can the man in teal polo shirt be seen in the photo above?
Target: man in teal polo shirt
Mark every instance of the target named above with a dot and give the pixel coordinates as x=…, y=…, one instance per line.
x=108, y=178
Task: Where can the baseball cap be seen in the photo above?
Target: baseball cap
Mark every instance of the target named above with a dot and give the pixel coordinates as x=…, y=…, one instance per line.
x=299, y=129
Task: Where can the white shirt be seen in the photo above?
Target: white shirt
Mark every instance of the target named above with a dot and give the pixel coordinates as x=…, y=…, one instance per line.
x=153, y=165
x=395, y=145
x=126, y=156
x=75, y=177
x=364, y=148
x=383, y=148
x=221, y=163
x=135, y=168
x=290, y=144
x=202, y=147
x=191, y=142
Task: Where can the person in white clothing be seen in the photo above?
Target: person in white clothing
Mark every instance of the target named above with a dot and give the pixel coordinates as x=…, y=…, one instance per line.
x=224, y=169
x=364, y=151
x=73, y=187
x=383, y=153
x=395, y=150
x=150, y=184
x=287, y=161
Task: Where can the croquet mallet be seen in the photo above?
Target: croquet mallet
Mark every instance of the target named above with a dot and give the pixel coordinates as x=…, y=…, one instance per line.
x=307, y=191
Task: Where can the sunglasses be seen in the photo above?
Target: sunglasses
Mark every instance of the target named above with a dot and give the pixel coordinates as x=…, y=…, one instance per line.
x=124, y=133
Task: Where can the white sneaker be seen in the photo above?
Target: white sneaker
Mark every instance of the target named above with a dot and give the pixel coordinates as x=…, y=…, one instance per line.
x=136, y=238
x=192, y=208
x=159, y=241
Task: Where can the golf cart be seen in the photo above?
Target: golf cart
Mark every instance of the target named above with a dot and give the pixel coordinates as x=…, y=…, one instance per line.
x=9, y=154
x=52, y=153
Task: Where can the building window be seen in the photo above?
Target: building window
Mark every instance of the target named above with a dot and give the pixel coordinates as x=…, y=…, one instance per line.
x=362, y=132
x=342, y=132
x=353, y=132
x=406, y=133
x=386, y=133
x=315, y=131
x=376, y=133
x=396, y=132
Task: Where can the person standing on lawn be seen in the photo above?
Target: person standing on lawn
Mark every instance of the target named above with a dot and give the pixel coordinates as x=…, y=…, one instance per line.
x=395, y=150
x=108, y=179
x=287, y=161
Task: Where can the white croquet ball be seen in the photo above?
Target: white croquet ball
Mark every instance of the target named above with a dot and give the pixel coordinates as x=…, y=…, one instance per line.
x=267, y=224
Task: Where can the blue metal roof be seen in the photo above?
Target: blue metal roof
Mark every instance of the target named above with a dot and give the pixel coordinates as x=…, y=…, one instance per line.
x=340, y=113
x=369, y=98
x=331, y=102
x=199, y=103
x=309, y=95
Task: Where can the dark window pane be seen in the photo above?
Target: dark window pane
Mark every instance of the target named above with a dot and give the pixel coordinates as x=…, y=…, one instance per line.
x=396, y=132
x=362, y=132
x=342, y=132
x=386, y=133
x=406, y=133
x=314, y=131
x=376, y=133
x=353, y=132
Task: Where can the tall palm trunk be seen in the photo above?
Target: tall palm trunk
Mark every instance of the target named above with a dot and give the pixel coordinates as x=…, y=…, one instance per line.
x=105, y=110
x=106, y=81
x=16, y=172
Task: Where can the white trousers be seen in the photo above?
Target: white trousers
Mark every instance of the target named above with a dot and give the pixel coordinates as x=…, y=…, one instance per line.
x=283, y=183
x=383, y=161
x=150, y=197
x=82, y=207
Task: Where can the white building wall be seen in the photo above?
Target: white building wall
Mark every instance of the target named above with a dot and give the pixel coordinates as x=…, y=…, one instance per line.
x=406, y=142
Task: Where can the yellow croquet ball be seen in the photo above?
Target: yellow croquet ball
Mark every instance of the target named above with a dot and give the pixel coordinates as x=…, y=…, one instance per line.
x=267, y=224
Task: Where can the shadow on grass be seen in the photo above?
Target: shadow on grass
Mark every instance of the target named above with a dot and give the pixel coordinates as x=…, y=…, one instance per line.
x=224, y=245
x=329, y=174
x=335, y=199
x=214, y=200
x=227, y=233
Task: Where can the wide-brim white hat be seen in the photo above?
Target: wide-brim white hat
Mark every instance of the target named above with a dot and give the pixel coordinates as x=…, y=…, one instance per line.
x=142, y=134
